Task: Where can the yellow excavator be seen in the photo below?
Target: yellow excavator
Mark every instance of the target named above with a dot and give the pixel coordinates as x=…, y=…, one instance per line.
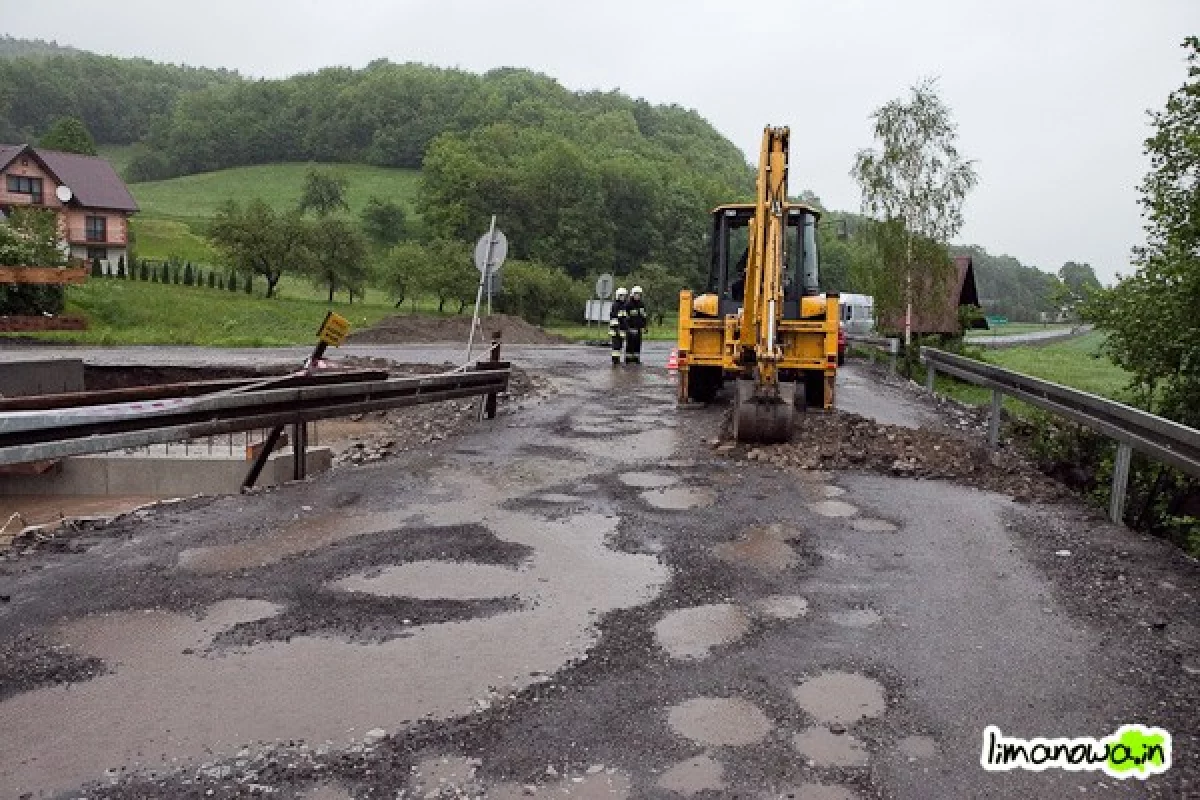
x=762, y=321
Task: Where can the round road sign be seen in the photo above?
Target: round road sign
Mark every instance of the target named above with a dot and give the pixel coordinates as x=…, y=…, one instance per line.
x=499, y=251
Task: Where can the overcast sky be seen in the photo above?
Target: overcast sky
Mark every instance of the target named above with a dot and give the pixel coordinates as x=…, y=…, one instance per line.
x=1050, y=95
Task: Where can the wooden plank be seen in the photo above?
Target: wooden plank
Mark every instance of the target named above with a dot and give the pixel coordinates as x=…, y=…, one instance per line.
x=43, y=275
x=30, y=324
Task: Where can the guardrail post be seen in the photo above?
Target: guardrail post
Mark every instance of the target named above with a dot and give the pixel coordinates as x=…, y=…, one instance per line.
x=1120, y=483
x=299, y=450
x=489, y=404
x=894, y=350
x=930, y=374
x=994, y=421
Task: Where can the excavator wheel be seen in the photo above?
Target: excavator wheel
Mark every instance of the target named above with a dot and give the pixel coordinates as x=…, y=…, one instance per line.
x=763, y=419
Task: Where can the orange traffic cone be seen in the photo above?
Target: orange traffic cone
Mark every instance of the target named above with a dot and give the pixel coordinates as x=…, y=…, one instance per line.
x=673, y=361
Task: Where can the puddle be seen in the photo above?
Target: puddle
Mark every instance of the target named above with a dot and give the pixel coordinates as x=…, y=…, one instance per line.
x=843, y=697
x=679, y=498
x=782, y=606
x=719, y=721
x=764, y=547
x=445, y=776
x=167, y=703
x=559, y=498
x=647, y=480
x=608, y=784
x=632, y=448
x=869, y=525
x=833, y=491
x=300, y=536
x=695, y=775
x=827, y=749
x=691, y=633
x=834, y=508
x=437, y=580
x=857, y=617
x=326, y=793
x=917, y=747
x=816, y=791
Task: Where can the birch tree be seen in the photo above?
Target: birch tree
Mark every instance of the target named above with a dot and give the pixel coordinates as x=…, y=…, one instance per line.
x=914, y=184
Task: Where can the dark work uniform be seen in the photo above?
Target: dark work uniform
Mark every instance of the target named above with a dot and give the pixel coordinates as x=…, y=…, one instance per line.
x=616, y=329
x=636, y=313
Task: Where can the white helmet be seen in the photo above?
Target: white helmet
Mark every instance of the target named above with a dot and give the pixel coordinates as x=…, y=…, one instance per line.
x=621, y=293
x=636, y=291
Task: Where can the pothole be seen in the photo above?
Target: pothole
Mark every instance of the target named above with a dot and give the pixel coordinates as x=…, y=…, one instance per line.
x=648, y=480
x=833, y=508
x=842, y=697
x=437, y=580
x=816, y=791
x=692, y=633
x=559, y=498
x=699, y=774
x=857, y=617
x=719, y=721
x=679, y=498
x=869, y=525
x=762, y=547
x=782, y=606
x=917, y=747
x=824, y=748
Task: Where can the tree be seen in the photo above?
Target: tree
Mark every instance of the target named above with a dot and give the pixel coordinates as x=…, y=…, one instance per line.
x=257, y=241
x=384, y=222
x=97, y=269
x=339, y=256
x=452, y=275
x=121, y=267
x=29, y=237
x=324, y=193
x=405, y=272
x=69, y=135
x=144, y=272
x=1151, y=316
x=915, y=185
x=189, y=277
x=1077, y=282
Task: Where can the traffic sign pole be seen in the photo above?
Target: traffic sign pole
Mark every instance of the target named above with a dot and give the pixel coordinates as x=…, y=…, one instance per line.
x=483, y=276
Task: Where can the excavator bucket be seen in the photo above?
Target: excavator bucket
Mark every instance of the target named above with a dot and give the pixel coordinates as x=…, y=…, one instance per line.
x=763, y=416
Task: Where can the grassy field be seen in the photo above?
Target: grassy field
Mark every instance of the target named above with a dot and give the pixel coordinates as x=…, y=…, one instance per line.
x=175, y=212
x=131, y=312
x=197, y=197
x=1075, y=362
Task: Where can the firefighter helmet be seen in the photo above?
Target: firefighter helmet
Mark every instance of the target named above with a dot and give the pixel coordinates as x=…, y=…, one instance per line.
x=621, y=293
x=636, y=291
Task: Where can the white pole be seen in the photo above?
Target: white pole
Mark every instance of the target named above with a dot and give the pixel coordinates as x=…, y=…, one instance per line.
x=483, y=275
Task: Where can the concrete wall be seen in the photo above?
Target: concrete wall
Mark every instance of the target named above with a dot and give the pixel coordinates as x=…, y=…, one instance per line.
x=24, y=378
x=162, y=476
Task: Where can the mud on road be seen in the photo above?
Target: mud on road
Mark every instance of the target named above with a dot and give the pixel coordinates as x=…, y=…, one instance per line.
x=589, y=599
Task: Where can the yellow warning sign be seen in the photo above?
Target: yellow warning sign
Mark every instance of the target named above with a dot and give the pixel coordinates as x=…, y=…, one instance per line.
x=334, y=329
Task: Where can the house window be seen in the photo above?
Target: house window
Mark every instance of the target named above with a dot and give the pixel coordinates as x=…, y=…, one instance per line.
x=19, y=184
x=98, y=252
x=94, y=230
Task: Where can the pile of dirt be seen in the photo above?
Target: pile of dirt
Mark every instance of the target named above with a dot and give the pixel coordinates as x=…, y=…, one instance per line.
x=847, y=441
x=409, y=328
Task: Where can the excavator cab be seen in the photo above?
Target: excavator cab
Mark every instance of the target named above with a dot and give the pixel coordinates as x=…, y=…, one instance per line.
x=729, y=252
x=762, y=320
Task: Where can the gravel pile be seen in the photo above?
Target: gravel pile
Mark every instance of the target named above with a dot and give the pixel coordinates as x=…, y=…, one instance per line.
x=839, y=441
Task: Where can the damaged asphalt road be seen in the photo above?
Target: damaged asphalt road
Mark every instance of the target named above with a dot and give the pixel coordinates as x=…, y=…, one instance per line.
x=585, y=598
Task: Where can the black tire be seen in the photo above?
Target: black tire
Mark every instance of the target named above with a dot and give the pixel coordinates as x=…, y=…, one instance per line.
x=841, y=358
x=703, y=383
x=814, y=389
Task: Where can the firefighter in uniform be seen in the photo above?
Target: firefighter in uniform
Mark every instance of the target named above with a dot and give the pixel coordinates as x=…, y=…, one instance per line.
x=635, y=312
x=617, y=320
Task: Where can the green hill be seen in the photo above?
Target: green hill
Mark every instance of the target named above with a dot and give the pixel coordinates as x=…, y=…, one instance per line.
x=175, y=212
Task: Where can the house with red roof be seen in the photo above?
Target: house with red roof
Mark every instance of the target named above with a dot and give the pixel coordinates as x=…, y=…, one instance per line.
x=91, y=201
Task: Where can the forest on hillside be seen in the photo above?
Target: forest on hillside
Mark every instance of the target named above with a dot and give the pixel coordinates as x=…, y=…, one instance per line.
x=584, y=182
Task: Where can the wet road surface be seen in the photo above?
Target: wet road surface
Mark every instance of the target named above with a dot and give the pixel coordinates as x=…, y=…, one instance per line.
x=580, y=599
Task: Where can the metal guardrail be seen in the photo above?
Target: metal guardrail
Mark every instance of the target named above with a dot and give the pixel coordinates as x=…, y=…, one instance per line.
x=27, y=436
x=1134, y=429
x=877, y=344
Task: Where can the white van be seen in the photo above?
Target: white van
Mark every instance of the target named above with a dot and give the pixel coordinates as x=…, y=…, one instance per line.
x=857, y=312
